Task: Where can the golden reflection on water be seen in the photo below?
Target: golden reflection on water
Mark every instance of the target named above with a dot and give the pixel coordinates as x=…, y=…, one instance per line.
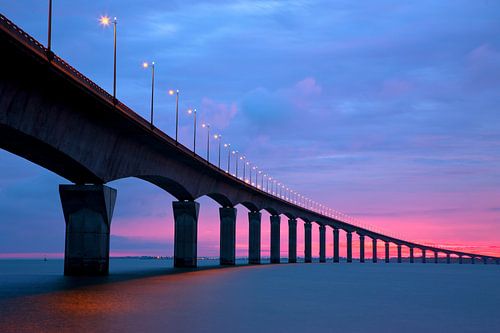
x=101, y=307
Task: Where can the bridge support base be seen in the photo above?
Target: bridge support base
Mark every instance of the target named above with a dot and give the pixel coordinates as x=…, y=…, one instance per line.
x=448, y=258
x=307, y=242
x=254, y=237
x=349, y=246
x=292, y=240
x=399, y=254
x=275, y=239
x=227, y=235
x=322, y=243
x=336, y=254
x=374, y=250
x=88, y=210
x=186, y=233
x=387, y=252
x=361, y=248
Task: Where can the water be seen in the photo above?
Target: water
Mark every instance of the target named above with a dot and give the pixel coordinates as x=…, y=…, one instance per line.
x=149, y=295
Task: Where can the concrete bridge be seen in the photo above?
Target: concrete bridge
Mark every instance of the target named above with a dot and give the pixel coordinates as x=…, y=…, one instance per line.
x=54, y=116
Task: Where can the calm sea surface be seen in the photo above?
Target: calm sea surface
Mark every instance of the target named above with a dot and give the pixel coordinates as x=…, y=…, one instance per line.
x=151, y=296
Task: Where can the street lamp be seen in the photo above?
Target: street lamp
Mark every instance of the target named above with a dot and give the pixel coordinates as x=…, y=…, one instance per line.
x=249, y=171
x=228, y=146
x=49, y=32
x=207, y=126
x=105, y=21
x=176, y=92
x=242, y=158
x=152, y=65
x=235, y=152
x=261, y=181
x=218, y=137
x=193, y=112
x=255, y=169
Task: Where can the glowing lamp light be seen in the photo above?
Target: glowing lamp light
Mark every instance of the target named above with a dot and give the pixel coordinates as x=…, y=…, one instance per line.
x=105, y=20
x=145, y=65
x=171, y=92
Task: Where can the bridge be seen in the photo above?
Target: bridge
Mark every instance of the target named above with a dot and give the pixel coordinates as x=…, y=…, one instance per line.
x=54, y=116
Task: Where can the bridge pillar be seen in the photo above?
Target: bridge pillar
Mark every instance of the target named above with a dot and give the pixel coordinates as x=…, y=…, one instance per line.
x=435, y=257
x=292, y=240
x=497, y=261
x=254, y=237
x=185, y=233
x=322, y=243
x=88, y=210
x=307, y=241
x=374, y=250
x=336, y=254
x=399, y=254
x=448, y=258
x=349, y=246
x=485, y=260
x=460, y=260
x=227, y=235
x=423, y=257
x=361, y=248
x=472, y=260
x=386, y=252
x=412, y=258
x=275, y=239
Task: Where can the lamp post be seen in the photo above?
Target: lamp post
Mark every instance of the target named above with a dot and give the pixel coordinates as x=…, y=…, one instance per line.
x=49, y=32
x=242, y=158
x=207, y=126
x=228, y=146
x=146, y=65
x=261, y=180
x=249, y=171
x=190, y=111
x=235, y=152
x=218, y=137
x=105, y=21
x=176, y=92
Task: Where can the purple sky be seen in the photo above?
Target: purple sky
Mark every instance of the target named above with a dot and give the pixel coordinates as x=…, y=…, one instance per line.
x=386, y=110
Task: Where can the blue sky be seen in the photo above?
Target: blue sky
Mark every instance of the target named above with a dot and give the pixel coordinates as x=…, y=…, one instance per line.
x=387, y=110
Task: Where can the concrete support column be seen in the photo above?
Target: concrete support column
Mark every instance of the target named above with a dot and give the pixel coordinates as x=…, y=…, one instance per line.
x=336, y=254
x=412, y=258
x=322, y=243
x=497, y=261
x=185, y=233
x=275, y=239
x=386, y=252
x=423, y=256
x=88, y=210
x=374, y=249
x=361, y=248
x=460, y=260
x=485, y=260
x=292, y=240
x=472, y=260
x=227, y=235
x=307, y=241
x=435, y=257
x=349, y=246
x=399, y=254
x=254, y=237
x=448, y=258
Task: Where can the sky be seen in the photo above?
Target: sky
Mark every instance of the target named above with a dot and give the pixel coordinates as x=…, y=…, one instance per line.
x=388, y=111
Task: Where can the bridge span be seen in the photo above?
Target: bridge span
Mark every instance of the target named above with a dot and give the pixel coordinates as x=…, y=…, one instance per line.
x=54, y=116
